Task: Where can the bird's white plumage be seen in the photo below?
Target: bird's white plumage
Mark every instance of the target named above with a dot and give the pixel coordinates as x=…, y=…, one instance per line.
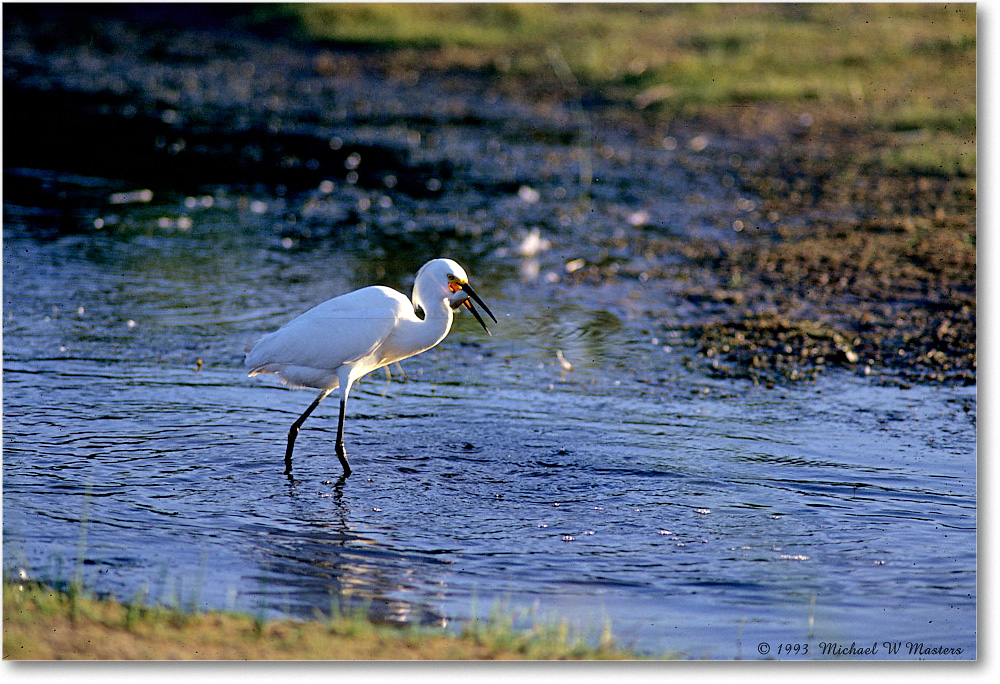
x=350, y=329
x=336, y=342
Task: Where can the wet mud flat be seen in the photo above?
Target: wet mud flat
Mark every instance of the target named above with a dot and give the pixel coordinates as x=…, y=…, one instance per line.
x=879, y=275
x=794, y=253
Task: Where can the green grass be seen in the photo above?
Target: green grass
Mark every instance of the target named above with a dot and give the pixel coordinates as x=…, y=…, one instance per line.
x=42, y=623
x=412, y=25
x=946, y=156
x=894, y=68
x=503, y=630
x=881, y=56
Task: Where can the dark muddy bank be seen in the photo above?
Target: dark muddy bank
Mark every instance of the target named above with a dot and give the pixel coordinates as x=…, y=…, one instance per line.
x=817, y=258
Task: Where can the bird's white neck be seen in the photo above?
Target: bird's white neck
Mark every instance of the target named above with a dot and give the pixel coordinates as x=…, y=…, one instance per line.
x=438, y=315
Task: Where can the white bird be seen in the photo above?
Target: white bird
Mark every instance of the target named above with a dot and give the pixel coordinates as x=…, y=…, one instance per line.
x=344, y=338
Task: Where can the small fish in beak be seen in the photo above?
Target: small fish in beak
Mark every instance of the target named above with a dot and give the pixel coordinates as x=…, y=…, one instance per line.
x=464, y=293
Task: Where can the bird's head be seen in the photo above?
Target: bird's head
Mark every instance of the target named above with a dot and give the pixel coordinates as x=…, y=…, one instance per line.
x=447, y=278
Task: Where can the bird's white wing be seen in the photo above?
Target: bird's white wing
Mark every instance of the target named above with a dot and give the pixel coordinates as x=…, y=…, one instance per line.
x=338, y=331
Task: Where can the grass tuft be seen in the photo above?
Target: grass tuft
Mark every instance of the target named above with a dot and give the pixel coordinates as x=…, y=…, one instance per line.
x=41, y=623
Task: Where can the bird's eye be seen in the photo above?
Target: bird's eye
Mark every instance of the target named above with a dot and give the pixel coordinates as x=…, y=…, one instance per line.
x=451, y=276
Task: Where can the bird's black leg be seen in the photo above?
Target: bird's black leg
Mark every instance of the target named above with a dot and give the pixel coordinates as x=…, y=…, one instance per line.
x=293, y=431
x=341, y=452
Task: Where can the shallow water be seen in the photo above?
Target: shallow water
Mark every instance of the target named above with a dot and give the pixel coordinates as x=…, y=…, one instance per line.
x=697, y=516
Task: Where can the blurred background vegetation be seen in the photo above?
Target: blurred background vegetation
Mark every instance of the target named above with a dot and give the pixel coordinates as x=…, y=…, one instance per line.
x=898, y=68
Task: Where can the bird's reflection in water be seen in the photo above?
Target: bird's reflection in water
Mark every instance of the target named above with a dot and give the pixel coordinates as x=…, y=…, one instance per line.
x=320, y=561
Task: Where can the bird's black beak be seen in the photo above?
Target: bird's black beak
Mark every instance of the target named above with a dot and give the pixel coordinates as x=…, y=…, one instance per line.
x=472, y=293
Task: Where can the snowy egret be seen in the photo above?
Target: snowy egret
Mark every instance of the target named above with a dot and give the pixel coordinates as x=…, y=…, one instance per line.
x=344, y=338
